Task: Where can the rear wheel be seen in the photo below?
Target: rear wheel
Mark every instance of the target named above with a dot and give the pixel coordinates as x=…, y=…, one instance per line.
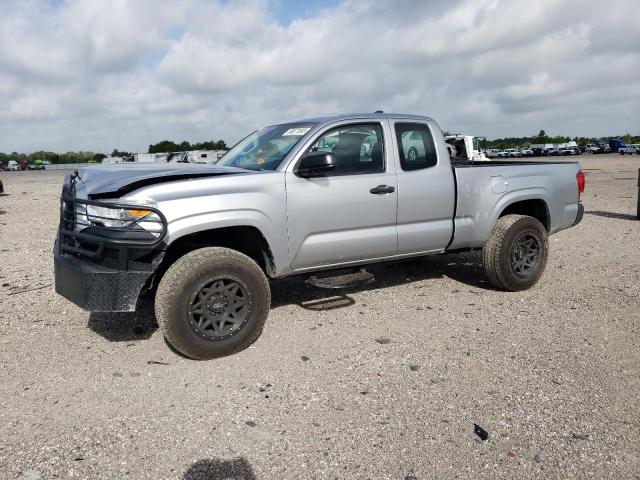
x=212, y=302
x=516, y=253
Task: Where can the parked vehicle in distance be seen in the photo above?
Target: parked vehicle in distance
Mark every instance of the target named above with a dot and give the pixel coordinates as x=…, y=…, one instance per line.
x=566, y=151
x=597, y=148
x=615, y=144
x=539, y=152
x=467, y=147
x=511, y=153
x=37, y=165
x=13, y=166
x=542, y=148
x=297, y=199
x=628, y=149
x=112, y=160
x=591, y=148
x=493, y=153
x=554, y=152
x=194, y=156
x=526, y=152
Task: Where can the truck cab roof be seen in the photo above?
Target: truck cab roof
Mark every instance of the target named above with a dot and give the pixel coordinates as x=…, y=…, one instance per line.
x=358, y=116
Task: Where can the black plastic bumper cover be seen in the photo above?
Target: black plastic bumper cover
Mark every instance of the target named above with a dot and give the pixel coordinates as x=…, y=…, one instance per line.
x=580, y=214
x=96, y=288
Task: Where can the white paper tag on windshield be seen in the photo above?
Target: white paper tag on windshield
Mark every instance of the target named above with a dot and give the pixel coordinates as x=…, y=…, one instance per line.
x=296, y=131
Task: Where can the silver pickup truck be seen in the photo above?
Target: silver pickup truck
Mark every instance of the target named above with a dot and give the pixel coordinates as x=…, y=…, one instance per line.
x=318, y=194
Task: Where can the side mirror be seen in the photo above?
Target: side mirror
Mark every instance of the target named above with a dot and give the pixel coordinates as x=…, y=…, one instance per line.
x=314, y=164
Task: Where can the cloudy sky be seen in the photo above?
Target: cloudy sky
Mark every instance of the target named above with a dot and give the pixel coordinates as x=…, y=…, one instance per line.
x=99, y=74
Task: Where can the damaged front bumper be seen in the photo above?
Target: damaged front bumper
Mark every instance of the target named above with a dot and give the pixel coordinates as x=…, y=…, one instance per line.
x=104, y=269
x=96, y=288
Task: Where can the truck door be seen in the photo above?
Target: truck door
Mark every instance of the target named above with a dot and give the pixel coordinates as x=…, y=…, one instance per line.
x=348, y=214
x=426, y=190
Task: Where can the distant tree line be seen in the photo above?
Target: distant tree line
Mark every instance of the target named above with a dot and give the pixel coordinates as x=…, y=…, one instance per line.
x=93, y=157
x=169, y=146
x=68, y=157
x=542, y=137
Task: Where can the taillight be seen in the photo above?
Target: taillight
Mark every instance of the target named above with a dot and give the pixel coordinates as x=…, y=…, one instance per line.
x=580, y=181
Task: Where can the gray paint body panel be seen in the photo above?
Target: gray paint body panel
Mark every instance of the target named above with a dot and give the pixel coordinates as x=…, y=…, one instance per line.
x=426, y=199
x=335, y=219
x=479, y=207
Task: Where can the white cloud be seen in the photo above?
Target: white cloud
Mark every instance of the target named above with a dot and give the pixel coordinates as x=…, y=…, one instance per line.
x=99, y=74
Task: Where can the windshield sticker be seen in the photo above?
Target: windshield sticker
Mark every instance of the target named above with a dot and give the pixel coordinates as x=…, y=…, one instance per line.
x=296, y=131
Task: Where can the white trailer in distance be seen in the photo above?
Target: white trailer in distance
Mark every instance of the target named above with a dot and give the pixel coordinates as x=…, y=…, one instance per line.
x=466, y=146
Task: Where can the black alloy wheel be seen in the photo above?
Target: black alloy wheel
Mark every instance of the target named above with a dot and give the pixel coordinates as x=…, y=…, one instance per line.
x=525, y=254
x=219, y=308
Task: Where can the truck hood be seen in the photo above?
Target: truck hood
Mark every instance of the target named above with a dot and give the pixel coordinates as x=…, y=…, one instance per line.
x=102, y=182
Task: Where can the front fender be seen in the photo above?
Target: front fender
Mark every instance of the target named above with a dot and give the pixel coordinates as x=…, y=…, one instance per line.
x=197, y=205
x=273, y=233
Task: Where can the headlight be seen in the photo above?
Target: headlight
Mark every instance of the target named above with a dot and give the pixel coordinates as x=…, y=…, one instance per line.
x=114, y=217
x=123, y=217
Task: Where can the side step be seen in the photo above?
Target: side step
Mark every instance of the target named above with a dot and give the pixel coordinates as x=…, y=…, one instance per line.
x=342, y=279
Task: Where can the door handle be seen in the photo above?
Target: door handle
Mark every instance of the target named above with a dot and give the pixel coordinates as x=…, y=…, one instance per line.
x=382, y=189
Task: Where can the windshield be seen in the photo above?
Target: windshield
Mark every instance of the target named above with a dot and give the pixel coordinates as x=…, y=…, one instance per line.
x=265, y=148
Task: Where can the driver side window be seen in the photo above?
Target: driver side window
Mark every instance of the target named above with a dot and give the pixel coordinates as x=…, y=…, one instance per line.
x=358, y=149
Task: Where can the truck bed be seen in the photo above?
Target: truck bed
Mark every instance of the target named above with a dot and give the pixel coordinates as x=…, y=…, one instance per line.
x=484, y=189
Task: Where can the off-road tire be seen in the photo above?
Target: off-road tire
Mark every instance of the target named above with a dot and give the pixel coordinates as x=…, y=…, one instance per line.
x=497, y=252
x=182, y=281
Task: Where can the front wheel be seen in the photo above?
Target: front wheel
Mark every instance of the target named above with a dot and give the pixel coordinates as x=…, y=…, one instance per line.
x=212, y=302
x=516, y=253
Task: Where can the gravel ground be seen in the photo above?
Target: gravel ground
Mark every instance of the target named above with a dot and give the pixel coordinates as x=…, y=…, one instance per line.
x=385, y=381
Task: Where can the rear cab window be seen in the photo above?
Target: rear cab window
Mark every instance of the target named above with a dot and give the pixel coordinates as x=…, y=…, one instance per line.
x=416, y=147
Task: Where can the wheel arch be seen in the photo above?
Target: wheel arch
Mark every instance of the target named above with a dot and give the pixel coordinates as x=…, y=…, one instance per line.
x=479, y=214
x=532, y=207
x=246, y=239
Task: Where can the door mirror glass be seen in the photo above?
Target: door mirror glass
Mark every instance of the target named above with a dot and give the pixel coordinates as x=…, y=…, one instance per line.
x=315, y=164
